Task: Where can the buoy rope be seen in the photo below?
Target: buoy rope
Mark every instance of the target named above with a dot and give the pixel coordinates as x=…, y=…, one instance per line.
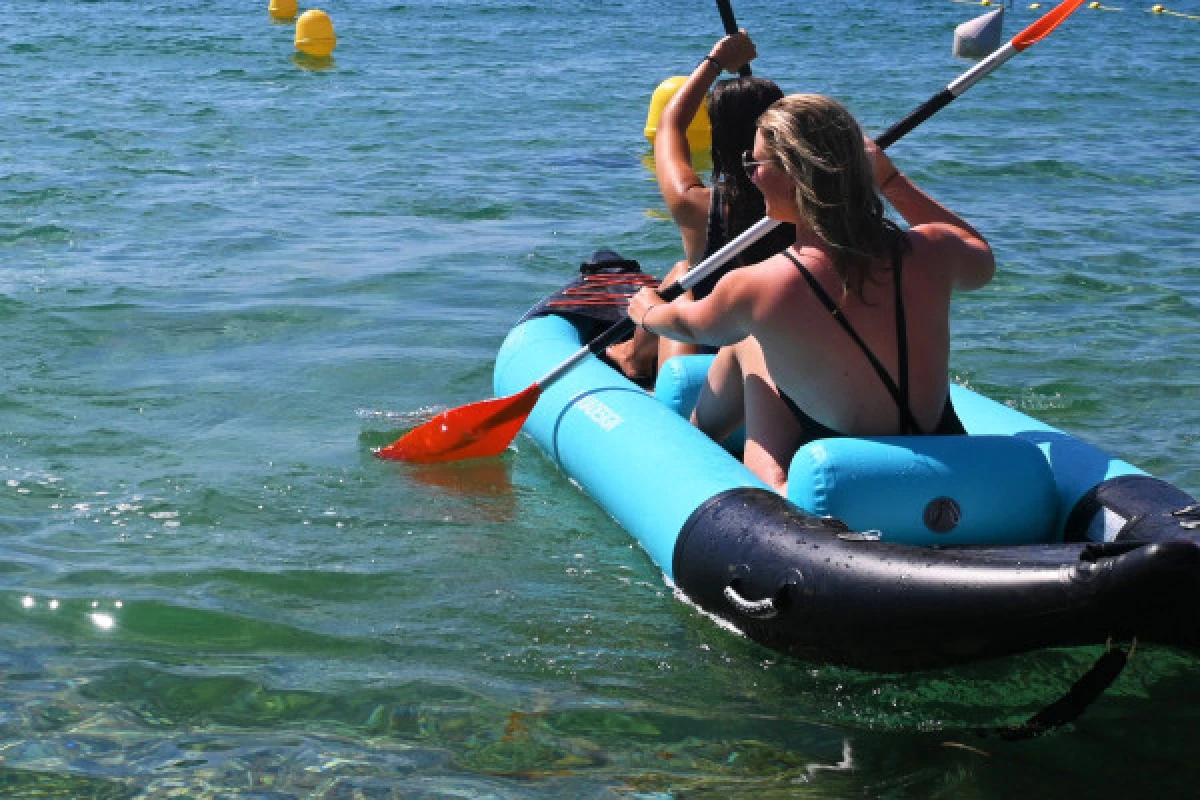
x=1158, y=8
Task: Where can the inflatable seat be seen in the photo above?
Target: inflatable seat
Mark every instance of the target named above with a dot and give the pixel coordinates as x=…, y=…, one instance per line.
x=678, y=387
x=928, y=490
x=924, y=490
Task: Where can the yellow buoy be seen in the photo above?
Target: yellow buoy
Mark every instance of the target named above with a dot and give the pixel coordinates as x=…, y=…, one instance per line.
x=314, y=33
x=282, y=9
x=1093, y=5
x=1158, y=9
x=699, y=130
x=1035, y=5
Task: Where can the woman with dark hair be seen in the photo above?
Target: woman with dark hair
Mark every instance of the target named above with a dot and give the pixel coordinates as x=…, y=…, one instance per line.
x=847, y=332
x=707, y=217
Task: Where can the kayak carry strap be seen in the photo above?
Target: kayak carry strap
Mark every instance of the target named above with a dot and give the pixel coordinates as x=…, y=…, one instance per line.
x=1071, y=706
x=601, y=290
x=600, y=295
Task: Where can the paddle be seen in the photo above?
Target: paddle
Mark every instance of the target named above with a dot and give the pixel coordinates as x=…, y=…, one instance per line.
x=1023, y=40
x=726, y=11
x=487, y=427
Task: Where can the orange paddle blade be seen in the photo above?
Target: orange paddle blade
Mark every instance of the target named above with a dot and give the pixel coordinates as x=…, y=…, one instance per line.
x=478, y=430
x=1049, y=21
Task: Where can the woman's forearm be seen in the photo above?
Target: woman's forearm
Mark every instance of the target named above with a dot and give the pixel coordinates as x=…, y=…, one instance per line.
x=690, y=321
x=729, y=53
x=682, y=108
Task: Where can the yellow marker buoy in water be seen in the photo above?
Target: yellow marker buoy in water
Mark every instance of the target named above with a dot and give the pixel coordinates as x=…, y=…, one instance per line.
x=699, y=130
x=1158, y=9
x=282, y=9
x=314, y=33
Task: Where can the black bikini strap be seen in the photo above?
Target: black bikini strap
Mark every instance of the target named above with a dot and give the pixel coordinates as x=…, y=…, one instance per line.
x=907, y=423
x=906, y=417
x=714, y=234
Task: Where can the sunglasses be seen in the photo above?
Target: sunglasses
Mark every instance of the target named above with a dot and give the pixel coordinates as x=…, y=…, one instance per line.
x=750, y=164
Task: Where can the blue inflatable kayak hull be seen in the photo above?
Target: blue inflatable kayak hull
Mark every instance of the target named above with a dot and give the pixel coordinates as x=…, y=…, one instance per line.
x=888, y=554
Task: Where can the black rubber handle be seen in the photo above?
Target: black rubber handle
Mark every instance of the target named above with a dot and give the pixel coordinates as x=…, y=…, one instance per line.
x=731, y=28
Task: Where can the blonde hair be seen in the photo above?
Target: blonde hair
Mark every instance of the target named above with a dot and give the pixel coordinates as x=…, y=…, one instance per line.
x=819, y=145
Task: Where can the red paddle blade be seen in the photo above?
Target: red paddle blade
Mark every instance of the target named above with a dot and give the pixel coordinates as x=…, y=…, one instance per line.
x=1049, y=21
x=478, y=430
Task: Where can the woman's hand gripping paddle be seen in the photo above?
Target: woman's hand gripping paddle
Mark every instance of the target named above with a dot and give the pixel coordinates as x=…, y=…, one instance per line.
x=730, y=23
x=488, y=427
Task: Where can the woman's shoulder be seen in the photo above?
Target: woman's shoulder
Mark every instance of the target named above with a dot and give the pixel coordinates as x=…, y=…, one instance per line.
x=779, y=265
x=952, y=254
x=775, y=282
x=940, y=235
x=929, y=244
x=760, y=276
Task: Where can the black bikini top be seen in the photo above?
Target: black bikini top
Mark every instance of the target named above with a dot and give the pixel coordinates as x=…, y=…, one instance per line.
x=899, y=393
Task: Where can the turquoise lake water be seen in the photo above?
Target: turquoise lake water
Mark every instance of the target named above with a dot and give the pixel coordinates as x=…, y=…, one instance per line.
x=227, y=272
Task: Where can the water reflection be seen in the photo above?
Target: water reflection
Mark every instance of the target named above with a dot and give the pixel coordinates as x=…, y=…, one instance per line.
x=313, y=63
x=486, y=483
x=701, y=161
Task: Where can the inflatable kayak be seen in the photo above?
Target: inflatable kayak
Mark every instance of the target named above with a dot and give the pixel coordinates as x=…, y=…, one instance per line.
x=888, y=554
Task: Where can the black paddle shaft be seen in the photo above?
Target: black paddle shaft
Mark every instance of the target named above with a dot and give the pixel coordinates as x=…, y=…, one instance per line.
x=731, y=28
x=918, y=115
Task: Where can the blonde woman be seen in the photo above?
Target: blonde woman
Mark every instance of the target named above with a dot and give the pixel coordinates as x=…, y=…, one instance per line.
x=847, y=332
